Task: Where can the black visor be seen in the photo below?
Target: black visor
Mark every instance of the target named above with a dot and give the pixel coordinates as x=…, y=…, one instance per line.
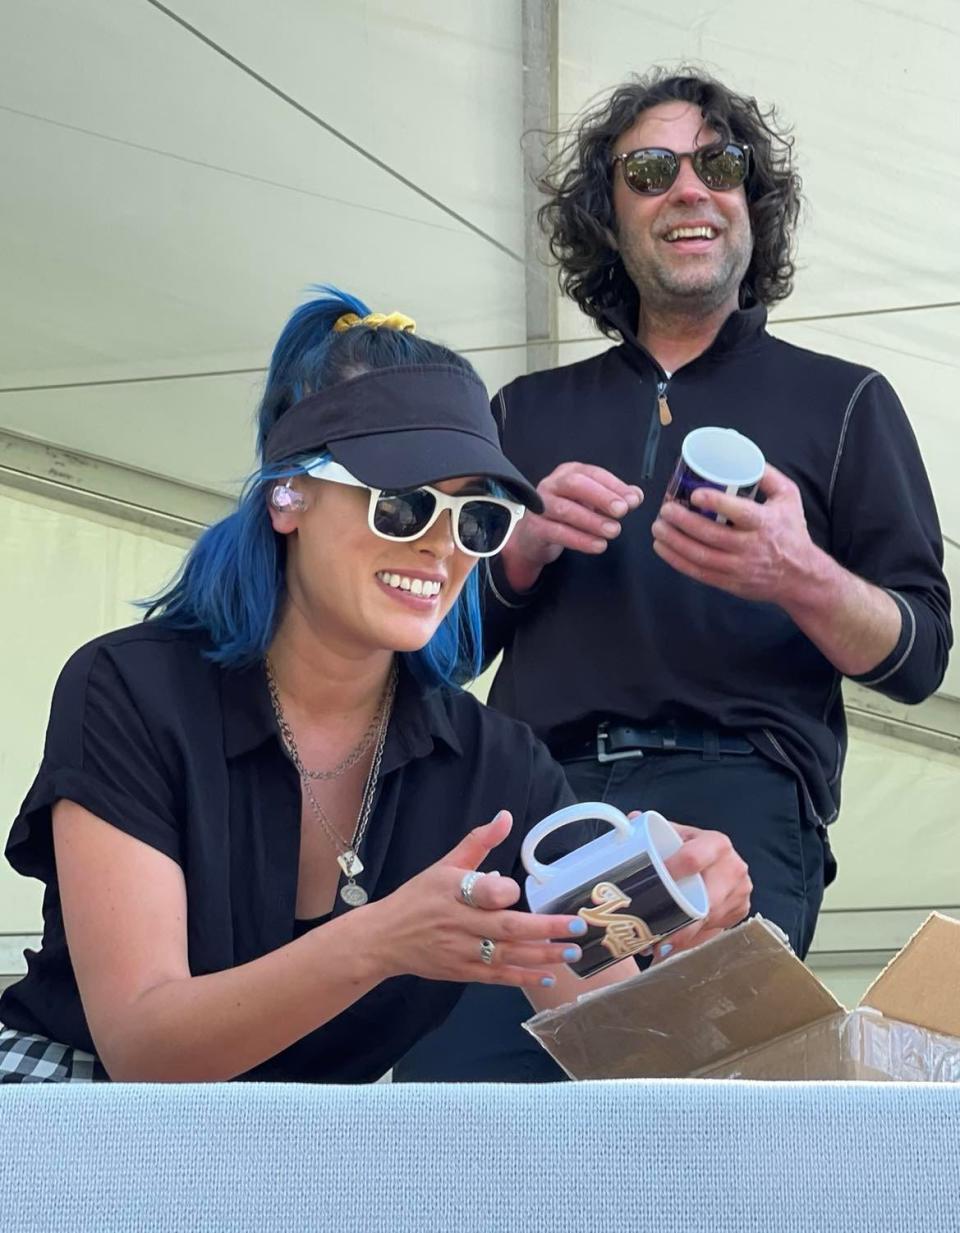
x=400, y=428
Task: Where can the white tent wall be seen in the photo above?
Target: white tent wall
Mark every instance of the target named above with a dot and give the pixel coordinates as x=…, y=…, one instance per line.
x=896, y=844
x=68, y=575
x=163, y=210
x=164, y=207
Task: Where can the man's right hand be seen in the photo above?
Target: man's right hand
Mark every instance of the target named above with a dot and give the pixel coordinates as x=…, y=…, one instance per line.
x=583, y=506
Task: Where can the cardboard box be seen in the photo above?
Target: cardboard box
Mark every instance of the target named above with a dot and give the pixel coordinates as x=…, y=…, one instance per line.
x=743, y=1006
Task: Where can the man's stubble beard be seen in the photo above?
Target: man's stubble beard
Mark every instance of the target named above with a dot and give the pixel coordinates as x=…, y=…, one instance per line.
x=692, y=292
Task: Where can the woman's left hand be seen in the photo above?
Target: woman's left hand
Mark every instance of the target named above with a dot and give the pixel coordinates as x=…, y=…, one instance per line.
x=713, y=856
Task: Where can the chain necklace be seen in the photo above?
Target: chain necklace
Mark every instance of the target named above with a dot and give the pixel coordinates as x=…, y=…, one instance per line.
x=351, y=892
x=362, y=747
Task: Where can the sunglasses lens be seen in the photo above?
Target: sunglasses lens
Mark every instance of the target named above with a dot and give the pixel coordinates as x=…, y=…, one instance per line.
x=650, y=171
x=722, y=167
x=483, y=526
x=402, y=515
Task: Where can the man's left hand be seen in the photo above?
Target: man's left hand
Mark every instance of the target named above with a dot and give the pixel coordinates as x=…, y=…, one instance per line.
x=763, y=553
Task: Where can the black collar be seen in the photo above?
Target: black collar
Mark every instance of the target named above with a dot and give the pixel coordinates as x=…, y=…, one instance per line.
x=419, y=715
x=742, y=326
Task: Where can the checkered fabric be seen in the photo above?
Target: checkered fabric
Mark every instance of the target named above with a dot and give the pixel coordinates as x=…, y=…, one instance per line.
x=35, y=1059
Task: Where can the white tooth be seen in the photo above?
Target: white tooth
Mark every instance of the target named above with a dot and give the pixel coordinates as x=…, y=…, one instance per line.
x=417, y=587
x=394, y=579
x=404, y=584
x=691, y=233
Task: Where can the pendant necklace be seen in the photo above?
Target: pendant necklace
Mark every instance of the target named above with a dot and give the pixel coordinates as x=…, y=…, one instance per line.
x=352, y=893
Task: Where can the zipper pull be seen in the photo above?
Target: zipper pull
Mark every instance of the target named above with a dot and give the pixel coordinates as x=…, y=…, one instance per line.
x=664, y=407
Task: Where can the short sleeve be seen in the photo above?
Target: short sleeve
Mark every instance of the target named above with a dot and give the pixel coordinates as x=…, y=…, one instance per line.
x=99, y=753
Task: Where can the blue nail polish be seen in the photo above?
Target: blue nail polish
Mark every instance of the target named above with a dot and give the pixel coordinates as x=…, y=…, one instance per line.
x=578, y=926
x=571, y=954
x=665, y=950
x=547, y=981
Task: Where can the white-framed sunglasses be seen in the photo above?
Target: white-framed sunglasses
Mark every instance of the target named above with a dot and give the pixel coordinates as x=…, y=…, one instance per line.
x=481, y=524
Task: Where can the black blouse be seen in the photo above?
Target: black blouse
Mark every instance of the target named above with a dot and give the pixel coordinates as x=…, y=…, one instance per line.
x=148, y=734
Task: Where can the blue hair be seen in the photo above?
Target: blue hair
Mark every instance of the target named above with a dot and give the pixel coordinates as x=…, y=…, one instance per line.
x=231, y=585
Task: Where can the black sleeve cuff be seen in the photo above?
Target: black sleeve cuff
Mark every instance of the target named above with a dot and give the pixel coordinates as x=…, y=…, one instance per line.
x=884, y=673
x=501, y=590
x=30, y=845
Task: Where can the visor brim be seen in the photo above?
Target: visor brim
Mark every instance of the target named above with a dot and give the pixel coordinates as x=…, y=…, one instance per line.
x=408, y=459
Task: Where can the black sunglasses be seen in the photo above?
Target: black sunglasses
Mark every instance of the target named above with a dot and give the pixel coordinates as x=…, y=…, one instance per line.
x=651, y=171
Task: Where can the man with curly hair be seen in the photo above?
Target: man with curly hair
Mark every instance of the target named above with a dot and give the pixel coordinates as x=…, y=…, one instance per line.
x=669, y=660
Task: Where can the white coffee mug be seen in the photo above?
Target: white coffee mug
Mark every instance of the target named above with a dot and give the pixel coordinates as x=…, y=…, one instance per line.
x=618, y=883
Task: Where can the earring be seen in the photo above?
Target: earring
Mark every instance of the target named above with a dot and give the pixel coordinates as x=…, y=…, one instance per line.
x=285, y=498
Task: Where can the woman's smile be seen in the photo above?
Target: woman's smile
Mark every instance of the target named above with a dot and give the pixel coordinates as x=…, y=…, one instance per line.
x=413, y=588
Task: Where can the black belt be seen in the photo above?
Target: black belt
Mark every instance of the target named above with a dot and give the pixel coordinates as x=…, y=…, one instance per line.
x=609, y=742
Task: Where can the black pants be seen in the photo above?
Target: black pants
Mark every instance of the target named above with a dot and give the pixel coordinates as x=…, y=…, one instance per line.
x=746, y=796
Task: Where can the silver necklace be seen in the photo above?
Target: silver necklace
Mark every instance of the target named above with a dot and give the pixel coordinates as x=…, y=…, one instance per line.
x=353, y=757
x=350, y=864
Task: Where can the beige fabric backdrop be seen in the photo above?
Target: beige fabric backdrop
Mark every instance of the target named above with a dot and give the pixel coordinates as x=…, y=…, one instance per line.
x=66, y=577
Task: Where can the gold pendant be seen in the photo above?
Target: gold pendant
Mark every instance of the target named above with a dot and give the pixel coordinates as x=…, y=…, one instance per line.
x=350, y=863
x=624, y=935
x=664, y=407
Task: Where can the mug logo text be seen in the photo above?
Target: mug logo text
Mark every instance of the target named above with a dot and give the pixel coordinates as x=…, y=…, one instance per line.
x=624, y=935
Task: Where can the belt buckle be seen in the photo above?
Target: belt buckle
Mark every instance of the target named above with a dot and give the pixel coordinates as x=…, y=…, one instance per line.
x=603, y=735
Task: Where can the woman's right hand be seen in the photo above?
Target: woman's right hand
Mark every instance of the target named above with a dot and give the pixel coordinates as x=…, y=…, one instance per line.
x=425, y=929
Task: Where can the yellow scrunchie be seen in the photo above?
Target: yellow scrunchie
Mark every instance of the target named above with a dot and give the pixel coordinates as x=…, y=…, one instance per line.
x=392, y=321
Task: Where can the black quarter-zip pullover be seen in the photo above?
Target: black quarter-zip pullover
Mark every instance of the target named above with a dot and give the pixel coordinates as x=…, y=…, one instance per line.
x=623, y=636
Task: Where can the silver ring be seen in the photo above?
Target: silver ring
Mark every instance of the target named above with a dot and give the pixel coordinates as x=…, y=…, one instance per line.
x=487, y=950
x=467, y=883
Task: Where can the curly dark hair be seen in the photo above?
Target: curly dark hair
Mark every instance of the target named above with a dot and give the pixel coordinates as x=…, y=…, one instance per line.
x=578, y=216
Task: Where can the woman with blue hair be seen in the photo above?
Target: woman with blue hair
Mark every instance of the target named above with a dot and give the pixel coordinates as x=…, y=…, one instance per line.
x=253, y=815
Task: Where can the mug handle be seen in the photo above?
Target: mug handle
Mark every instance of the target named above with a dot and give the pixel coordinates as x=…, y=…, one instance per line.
x=562, y=817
